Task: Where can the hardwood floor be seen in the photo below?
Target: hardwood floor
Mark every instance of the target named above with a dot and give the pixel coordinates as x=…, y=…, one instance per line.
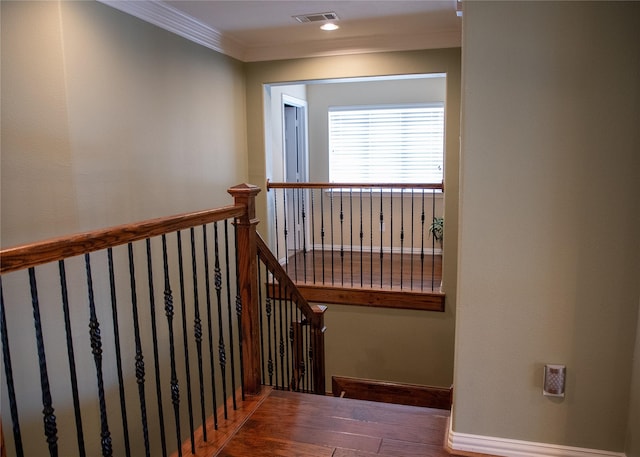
x=288, y=424
x=366, y=269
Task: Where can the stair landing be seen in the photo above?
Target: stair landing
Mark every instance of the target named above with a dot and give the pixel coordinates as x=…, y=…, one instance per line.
x=293, y=424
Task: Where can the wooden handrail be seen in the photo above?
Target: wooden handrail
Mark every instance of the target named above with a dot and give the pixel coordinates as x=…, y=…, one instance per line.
x=335, y=185
x=41, y=252
x=313, y=313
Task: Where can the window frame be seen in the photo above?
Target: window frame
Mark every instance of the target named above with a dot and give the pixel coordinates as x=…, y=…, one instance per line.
x=440, y=105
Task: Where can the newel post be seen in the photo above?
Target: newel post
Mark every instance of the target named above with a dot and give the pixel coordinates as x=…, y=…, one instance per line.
x=245, y=195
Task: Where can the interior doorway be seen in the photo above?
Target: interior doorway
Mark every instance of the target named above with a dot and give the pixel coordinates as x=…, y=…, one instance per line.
x=296, y=159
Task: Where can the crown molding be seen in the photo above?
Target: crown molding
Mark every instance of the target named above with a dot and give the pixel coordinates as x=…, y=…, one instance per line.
x=173, y=20
x=170, y=19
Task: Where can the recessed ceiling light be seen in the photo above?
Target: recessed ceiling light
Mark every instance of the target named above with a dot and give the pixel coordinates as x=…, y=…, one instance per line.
x=329, y=26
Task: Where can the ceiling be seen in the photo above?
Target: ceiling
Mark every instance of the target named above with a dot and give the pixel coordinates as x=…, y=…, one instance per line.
x=257, y=30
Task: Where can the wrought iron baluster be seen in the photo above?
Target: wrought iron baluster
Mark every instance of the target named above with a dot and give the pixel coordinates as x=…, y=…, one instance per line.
x=351, y=233
x=281, y=339
x=422, y=220
x=239, y=318
x=313, y=236
x=197, y=330
x=96, y=349
x=401, y=236
x=433, y=240
x=169, y=312
x=371, y=236
x=270, y=337
x=72, y=362
x=8, y=371
x=294, y=216
x=222, y=356
x=275, y=220
x=49, y=418
x=140, y=372
x=156, y=358
x=287, y=324
x=260, y=298
x=183, y=306
x=413, y=226
x=285, y=210
x=391, y=239
x=210, y=326
x=381, y=240
x=333, y=277
x=304, y=232
x=118, y=347
x=322, y=231
x=361, y=241
x=230, y=313
x=341, y=239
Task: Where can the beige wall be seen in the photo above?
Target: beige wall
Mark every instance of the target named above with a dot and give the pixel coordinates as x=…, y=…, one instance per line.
x=409, y=355
x=549, y=215
x=324, y=96
x=106, y=120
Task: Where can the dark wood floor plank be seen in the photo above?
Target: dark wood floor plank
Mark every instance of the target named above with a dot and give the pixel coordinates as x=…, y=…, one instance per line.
x=291, y=424
x=394, y=448
x=258, y=446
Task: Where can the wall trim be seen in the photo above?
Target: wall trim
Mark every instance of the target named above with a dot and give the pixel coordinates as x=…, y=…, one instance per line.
x=168, y=18
x=489, y=445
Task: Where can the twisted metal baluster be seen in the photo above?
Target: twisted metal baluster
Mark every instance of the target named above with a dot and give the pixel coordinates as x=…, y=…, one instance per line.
x=116, y=337
x=341, y=240
x=259, y=265
x=422, y=220
x=391, y=239
x=50, y=428
x=371, y=237
x=168, y=309
x=239, y=313
x=186, y=343
x=332, y=235
x=96, y=349
x=381, y=241
x=433, y=240
x=154, y=334
x=304, y=233
x=285, y=210
x=197, y=331
x=413, y=224
x=8, y=371
x=401, y=236
x=210, y=326
x=313, y=236
x=322, y=230
x=351, y=232
x=71, y=357
x=281, y=340
x=140, y=372
x=222, y=356
x=361, y=241
x=268, y=310
x=229, y=312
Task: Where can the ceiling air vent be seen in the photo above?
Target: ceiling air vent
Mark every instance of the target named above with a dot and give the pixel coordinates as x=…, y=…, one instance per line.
x=317, y=17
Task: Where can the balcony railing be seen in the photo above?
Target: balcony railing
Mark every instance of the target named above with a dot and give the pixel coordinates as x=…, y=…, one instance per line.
x=338, y=239
x=124, y=341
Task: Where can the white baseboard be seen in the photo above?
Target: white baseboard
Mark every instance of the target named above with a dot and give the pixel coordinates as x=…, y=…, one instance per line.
x=514, y=448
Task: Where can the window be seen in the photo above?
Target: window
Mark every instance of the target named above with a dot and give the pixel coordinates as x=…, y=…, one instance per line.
x=399, y=144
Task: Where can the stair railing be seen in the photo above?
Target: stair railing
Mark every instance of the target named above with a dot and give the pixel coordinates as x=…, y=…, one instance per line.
x=124, y=341
x=386, y=237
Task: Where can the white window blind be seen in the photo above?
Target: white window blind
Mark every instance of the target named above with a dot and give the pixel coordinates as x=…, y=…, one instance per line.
x=385, y=145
